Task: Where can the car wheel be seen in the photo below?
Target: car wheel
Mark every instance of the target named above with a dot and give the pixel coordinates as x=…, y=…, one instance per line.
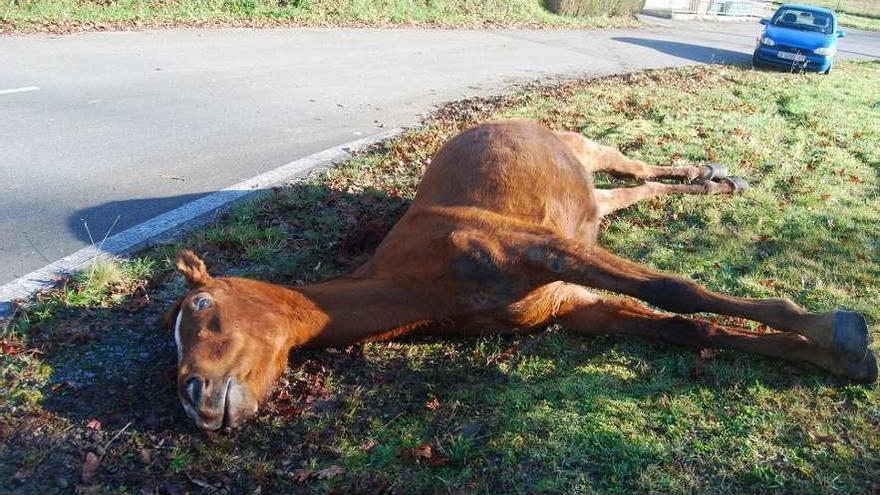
x=828, y=70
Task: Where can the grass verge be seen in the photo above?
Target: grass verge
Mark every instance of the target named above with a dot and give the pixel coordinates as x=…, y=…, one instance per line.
x=856, y=21
x=857, y=14
x=80, y=15
x=547, y=413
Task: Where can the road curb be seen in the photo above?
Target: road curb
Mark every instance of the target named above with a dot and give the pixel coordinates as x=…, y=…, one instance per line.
x=182, y=219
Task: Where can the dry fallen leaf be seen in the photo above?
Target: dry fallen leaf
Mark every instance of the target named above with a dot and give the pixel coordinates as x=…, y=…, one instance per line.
x=330, y=472
x=826, y=439
x=699, y=370
x=710, y=154
x=300, y=475
x=437, y=461
x=501, y=356
x=368, y=445
x=136, y=303
x=433, y=404
x=90, y=467
x=9, y=349
x=424, y=453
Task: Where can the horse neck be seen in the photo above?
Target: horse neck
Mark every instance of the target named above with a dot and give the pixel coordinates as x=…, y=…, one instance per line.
x=347, y=310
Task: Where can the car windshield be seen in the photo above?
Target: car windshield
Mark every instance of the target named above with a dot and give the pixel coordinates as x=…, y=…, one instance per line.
x=804, y=20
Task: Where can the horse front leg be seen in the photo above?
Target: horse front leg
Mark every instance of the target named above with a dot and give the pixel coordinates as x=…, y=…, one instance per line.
x=543, y=259
x=843, y=333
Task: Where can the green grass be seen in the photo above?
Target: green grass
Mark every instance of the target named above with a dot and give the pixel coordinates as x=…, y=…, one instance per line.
x=857, y=14
x=71, y=15
x=856, y=7
x=547, y=413
x=868, y=23
x=106, y=282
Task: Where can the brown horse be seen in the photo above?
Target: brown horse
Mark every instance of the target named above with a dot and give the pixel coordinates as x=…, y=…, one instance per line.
x=501, y=237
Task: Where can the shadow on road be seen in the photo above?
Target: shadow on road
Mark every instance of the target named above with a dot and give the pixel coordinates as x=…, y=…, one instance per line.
x=696, y=53
x=90, y=225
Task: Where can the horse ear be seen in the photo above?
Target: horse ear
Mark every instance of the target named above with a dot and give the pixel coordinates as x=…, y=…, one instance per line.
x=192, y=268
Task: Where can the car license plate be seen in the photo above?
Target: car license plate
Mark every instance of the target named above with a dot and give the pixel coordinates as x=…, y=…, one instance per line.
x=791, y=56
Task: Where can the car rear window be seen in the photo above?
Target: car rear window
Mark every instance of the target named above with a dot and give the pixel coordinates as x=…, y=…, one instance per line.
x=805, y=20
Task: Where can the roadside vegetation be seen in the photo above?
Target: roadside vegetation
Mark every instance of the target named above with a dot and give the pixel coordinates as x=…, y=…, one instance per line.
x=88, y=398
x=79, y=15
x=858, y=14
x=858, y=21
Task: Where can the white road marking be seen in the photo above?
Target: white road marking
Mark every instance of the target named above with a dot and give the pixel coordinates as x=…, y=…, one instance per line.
x=176, y=221
x=18, y=90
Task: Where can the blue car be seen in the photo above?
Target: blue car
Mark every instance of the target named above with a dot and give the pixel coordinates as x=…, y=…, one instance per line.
x=798, y=37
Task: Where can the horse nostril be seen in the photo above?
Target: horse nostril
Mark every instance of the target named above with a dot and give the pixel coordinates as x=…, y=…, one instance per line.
x=195, y=385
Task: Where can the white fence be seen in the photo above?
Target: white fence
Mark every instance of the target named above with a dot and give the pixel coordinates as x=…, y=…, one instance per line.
x=712, y=9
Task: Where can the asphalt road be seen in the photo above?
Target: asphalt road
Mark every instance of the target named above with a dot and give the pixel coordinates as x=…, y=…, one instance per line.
x=107, y=130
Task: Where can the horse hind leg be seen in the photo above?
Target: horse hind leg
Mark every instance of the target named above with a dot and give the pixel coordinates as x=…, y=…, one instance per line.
x=611, y=200
x=596, y=157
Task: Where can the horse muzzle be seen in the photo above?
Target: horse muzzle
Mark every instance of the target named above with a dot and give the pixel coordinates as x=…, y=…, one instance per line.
x=215, y=403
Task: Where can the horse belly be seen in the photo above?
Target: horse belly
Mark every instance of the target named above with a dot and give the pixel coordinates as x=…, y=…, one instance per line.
x=517, y=169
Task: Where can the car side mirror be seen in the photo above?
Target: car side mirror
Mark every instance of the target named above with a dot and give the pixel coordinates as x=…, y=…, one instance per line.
x=841, y=34
x=764, y=21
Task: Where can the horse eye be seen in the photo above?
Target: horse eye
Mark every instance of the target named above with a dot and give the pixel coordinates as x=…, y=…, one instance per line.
x=201, y=302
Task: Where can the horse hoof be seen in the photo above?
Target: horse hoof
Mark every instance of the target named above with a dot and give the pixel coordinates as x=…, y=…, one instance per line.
x=850, y=335
x=711, y=171
x=864, y=371
x=739, y=184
